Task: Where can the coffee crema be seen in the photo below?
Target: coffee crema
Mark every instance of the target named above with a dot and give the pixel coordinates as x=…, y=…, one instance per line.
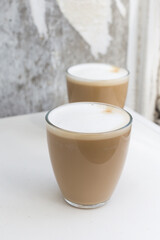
x=88, y=117
x=92, y=72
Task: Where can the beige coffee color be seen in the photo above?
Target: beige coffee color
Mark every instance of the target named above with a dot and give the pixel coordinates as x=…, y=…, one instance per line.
x=112, y=91
x=87, y=166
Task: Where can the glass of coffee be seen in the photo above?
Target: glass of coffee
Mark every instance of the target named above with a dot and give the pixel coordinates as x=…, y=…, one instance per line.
x=87, y=144
x=97, y=82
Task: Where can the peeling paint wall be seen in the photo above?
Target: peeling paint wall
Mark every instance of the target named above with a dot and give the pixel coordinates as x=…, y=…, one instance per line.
x=40, y=38
x=91, y=19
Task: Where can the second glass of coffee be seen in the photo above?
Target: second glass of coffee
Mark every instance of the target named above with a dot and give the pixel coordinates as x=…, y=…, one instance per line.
x=97, y=82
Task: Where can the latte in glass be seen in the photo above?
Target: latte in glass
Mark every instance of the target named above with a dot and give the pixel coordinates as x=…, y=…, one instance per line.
x=88, y=145
x=97, y=82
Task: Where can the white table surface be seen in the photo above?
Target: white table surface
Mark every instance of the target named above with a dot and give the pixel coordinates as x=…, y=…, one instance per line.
x=31, y=205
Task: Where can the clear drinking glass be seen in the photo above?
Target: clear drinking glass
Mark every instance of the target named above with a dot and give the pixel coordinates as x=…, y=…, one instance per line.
x=97, y=82
x=87, y=166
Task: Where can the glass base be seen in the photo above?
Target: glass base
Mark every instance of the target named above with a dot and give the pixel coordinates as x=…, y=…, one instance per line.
x=85, y=206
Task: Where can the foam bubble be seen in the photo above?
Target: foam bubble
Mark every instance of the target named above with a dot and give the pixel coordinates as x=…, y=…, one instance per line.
x=86, y=117
x=96, y=71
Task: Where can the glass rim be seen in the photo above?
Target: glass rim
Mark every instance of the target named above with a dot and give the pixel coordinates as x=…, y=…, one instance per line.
x=95, y=80
x=92, y=133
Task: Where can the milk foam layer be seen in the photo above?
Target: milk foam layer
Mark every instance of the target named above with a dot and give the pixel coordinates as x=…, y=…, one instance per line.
x=97, y=71
x=88, y=117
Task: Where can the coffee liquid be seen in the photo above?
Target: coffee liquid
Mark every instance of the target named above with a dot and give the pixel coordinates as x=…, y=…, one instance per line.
x=97, y=83
x=88, y=145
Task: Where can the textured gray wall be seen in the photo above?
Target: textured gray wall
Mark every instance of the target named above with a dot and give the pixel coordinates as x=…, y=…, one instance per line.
x=32, y=69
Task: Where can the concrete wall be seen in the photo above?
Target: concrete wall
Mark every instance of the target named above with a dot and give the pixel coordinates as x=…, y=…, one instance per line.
x=40, y=38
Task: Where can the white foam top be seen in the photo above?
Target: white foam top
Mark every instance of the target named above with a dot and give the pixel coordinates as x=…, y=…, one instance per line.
x=86, y=117
x=97, y=71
